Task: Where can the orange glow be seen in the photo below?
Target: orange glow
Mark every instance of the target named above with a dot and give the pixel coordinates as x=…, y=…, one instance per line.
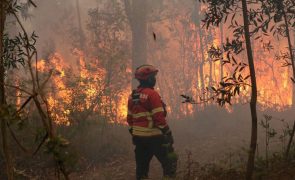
x=180, y=73
x=89, y=92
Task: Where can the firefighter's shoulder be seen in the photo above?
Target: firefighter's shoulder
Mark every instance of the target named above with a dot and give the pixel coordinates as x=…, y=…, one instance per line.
x=151, y=92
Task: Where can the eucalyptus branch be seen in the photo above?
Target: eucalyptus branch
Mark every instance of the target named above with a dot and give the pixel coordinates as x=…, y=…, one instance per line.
x=221, y=94
x=36, y=69
x=42, y=114
x=29, y=55
x=45, y=81
x=24, y=104
x=30, y=1
x=16, y=140
x=18, y=88
x=41, y=143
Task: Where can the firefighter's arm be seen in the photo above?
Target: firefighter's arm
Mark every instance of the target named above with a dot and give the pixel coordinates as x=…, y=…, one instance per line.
x=129, y=117
x=159, y=116
x=157, y=110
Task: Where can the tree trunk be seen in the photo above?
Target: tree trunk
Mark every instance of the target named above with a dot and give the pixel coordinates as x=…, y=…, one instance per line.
x=5, y=145
x=209, y=60
x=293, y=99
x=221, y=44
x=195, y=19
x=81, y=34
x=290, y=142
x=201, y=65
x=293, y=70
x=137, y=14
x=253, y=101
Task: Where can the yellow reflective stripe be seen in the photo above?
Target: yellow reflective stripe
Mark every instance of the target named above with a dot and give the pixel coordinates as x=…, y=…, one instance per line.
x=142, y=114
x=151, y=124
x=135, y=133
x=139, y=128
x=148, y=115
x=143, y=131
x=156, y=110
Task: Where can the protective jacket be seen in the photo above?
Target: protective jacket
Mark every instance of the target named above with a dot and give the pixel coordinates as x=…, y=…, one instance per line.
x=146, y=112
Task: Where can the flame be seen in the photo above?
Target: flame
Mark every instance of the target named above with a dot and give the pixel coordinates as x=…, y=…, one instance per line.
x=273, y=81
x=61, y=94
x=89, y=92
x=41, y=66
x=18, y=94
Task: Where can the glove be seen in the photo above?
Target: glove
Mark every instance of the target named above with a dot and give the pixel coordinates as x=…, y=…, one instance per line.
x=164, y=107
x=168, y=138
x=130, y=130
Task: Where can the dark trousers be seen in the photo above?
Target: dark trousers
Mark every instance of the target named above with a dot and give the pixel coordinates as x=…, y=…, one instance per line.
x=145, y=149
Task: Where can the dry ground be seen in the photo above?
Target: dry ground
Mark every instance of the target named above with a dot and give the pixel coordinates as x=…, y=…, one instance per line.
x=213, y=136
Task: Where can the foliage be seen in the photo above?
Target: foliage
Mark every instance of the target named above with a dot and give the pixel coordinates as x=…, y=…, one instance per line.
x=59, y=148
x=22, y=49
x=272, y=167
x=193, y=170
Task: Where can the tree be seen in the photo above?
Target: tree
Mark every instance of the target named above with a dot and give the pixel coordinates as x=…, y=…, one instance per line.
x=21, y=49
x=3, y=104
x=137, y=16
x=284, y=11
x=80, y=30
x=280, y=14
x=253, y=143
x=216, y=13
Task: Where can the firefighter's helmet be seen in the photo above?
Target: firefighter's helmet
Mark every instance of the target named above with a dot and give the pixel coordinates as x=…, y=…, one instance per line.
x=145, y=71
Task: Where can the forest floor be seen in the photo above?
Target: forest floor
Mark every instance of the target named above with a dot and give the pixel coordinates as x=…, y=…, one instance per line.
x=214, y=138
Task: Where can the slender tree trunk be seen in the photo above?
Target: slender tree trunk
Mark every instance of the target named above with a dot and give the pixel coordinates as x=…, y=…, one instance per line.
x=5, y=145
x=208, y=41
x=201, y=68
x=196, y=20
x=293, y=70
x=253, y=101
x=201, y=65
x=290, y=142
x=221, y=44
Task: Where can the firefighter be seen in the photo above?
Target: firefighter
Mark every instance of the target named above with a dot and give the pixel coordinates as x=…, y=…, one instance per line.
x=148, y=126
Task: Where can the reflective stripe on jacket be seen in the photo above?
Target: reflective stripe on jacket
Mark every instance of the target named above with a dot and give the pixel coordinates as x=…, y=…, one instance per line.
x=146, y=114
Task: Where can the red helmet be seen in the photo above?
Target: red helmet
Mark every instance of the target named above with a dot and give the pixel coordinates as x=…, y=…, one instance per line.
x=145, y=71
